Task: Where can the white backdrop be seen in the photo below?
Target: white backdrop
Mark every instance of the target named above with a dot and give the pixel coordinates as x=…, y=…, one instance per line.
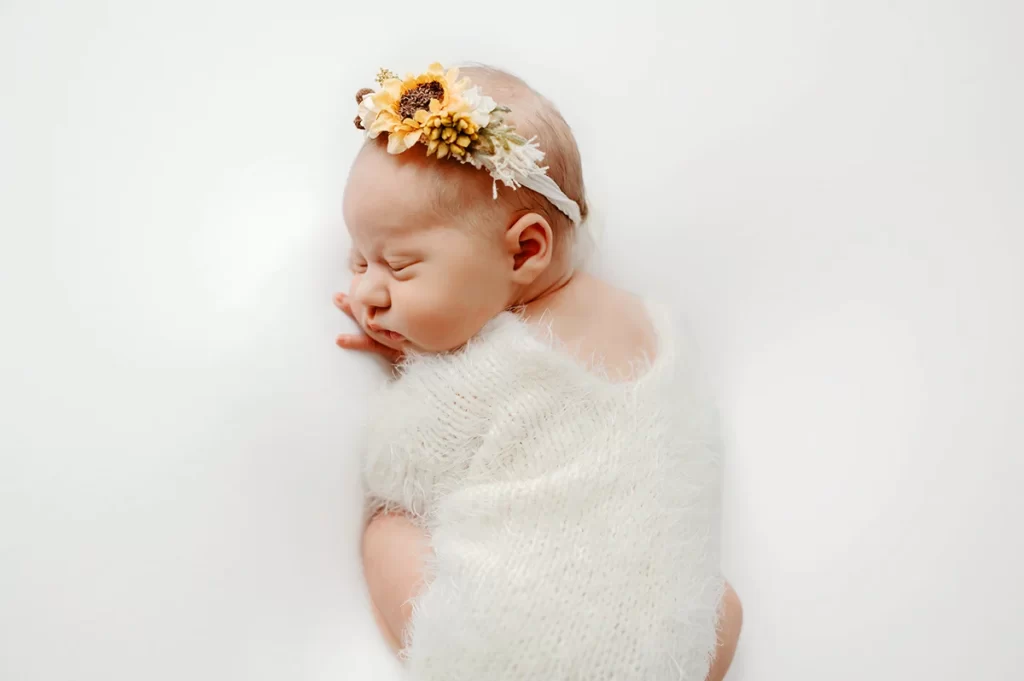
x=832, y=191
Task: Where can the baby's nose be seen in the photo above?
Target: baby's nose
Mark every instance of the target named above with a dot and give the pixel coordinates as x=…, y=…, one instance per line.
x=371, y=292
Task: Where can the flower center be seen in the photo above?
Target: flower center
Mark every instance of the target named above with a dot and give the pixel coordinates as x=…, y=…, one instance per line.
x=419, y=98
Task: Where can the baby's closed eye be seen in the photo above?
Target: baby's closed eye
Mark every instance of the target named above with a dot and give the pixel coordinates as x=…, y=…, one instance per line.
x=397, y=267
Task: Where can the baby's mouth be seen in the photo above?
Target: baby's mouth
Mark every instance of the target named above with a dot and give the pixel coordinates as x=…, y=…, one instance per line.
x=391, y=336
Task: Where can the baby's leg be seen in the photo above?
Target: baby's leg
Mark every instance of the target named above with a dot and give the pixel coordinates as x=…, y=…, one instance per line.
x=730, y=622
x=393, y=559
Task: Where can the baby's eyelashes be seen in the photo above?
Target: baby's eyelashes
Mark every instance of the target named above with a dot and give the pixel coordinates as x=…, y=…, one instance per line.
x=361, y=266
x=397, y=267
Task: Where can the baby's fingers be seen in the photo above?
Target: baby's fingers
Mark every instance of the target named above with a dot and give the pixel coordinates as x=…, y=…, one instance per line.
x=359, y=342
x=342, y=303
x=363, y=343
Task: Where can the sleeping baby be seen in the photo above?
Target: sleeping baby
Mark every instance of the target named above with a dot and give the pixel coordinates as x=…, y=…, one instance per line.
x=542, y=468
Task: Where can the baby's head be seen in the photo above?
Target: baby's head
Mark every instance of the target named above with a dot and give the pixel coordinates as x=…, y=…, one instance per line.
x=434, y=255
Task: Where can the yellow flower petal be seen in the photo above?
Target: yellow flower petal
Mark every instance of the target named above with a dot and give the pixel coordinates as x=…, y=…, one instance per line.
x=421, y=117
x=399, y=142
x=442, y=150
x=412, y=138
x=435, y=69
x=452, y=75
x=381, y=124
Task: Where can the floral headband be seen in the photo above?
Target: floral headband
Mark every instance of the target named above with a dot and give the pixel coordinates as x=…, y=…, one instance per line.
x=453, y=120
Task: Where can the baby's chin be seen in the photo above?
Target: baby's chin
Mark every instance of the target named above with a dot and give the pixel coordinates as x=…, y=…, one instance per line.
x=412, y=346
x=397, y=341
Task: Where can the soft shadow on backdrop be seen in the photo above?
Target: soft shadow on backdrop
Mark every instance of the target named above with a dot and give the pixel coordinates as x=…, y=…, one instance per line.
x=830, y=191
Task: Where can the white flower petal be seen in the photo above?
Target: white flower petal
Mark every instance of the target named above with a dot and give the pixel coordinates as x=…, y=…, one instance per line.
x=471, y=97
x=486, y=104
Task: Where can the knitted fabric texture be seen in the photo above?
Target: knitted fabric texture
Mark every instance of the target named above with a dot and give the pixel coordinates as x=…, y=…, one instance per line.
x=573, y=519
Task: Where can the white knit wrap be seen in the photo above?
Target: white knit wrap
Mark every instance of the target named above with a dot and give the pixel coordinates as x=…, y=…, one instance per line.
x=573, y=519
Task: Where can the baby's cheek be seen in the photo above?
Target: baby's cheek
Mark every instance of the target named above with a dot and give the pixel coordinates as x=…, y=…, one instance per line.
x=424, y=316
x=433, y=320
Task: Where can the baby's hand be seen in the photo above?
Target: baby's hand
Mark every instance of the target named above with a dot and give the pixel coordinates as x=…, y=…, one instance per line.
x=362, y=341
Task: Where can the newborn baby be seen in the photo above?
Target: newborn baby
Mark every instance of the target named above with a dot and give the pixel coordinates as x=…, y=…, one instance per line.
x=541, y=473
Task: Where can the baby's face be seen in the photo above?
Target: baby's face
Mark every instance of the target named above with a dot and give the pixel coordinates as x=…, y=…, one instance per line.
x=418, y=282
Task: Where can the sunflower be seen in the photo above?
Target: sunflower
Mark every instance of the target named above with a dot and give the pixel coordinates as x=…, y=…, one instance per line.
x=436, y=108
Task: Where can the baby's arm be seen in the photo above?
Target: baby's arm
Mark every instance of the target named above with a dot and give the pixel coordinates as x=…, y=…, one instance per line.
x=393, y=557
x=394, y=551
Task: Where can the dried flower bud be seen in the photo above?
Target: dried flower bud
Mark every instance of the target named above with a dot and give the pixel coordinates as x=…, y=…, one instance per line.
x=359, y=100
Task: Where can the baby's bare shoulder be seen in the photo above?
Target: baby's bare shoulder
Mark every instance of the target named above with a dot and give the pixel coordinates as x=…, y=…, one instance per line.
x=606, y=324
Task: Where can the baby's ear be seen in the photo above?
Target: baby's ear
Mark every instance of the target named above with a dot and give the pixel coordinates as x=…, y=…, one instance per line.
x=531, y=242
